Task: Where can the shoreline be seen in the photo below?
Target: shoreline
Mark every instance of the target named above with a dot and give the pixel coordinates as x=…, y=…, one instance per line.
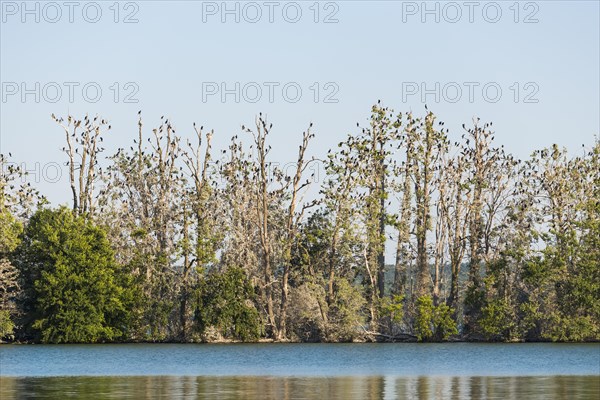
x=270, y=341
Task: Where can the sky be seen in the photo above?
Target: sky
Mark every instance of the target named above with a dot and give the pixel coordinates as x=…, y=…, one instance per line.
x=530, y=67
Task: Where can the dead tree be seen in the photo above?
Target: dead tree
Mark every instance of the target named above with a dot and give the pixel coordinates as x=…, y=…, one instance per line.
x=83, y=146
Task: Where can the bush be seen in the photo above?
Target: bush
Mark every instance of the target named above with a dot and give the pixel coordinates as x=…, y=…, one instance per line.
x=305, y=319
x=345, y=313
x=6, y=325
x=433, y=323
x=497, y=320
x=391, y=310
x=225, y=302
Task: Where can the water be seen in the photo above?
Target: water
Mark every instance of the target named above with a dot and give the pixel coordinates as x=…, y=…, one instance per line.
x=301, y=360
x=344, y=388
x=306, y=371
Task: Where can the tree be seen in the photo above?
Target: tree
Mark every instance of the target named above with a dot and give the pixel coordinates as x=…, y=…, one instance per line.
x=203, y=208
x=326, y=308
x=564, y=277
x=17, y=200
x=490, y=184
x=295, y=187
x=142, y=209
x=174, y=244
x=74, y=290
x=455, y=213
x=368, y=152
x=429, y=148
x=267, y=202
x=83, y=139
x=225, y=301
x=403, y=225
x=339, y=202
x=262, y=177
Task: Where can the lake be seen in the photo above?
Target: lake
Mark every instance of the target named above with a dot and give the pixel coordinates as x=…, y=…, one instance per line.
x=307, y=371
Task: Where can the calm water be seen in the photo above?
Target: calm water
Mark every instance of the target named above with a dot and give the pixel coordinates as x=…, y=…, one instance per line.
x=303, y=371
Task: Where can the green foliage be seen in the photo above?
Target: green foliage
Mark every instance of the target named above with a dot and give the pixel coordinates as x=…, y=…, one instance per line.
x=75, y=292
x=393, y=308
x=312, y=246
x=172, y=249
x=564, y=328
x=6, y=325
x=433, y=323
x=148, y=312
x=565, y=283
x=577, y=314
x=391, y=314
x=10, y=229
x=497, y=320
x=346, y=313
x=225, y=301
x=9, y=292
x=474, y=301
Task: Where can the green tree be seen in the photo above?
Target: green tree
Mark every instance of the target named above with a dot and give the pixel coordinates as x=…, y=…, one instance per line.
x=225, y=302
x=74, y=292
x=10, y=229
x=17, y=200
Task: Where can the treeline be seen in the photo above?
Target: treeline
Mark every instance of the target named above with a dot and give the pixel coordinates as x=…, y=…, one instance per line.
x=168, y=242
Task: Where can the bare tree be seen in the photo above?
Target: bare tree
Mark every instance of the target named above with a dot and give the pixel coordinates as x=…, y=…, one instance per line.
x=83, y=139
x=428, y=150
x=292, y=222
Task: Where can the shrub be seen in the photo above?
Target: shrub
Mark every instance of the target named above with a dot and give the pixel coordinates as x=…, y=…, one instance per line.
x=225, y=302
x=433, y=323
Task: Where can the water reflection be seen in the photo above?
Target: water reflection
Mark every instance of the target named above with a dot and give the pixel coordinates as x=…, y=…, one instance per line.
x=363, y=387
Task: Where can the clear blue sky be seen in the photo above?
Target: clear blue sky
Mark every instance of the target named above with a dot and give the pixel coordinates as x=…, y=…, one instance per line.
x=376, y=50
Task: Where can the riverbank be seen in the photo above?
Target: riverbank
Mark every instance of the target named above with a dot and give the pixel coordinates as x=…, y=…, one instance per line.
x=274, y=341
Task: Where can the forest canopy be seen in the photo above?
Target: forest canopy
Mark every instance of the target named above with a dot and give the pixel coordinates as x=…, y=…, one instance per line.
x=161, y=242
